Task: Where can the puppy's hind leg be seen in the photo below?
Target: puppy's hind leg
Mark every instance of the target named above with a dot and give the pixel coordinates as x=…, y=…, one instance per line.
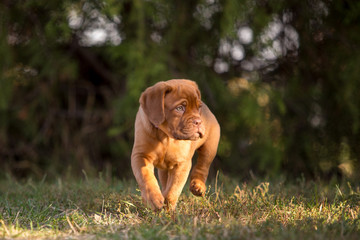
x=163, y=177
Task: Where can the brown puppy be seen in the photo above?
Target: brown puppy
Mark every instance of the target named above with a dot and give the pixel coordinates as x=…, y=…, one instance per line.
x=170, y=125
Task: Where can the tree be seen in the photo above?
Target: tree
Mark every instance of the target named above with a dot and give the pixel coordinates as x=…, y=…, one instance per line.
x=281, y=76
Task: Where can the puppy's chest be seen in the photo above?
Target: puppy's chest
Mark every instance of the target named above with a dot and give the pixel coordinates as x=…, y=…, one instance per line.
x=176, y=152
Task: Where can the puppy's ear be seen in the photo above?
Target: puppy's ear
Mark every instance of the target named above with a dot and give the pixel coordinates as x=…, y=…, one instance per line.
x=152, y=102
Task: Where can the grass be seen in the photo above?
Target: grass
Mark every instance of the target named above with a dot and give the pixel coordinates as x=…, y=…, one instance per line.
x=94, y=209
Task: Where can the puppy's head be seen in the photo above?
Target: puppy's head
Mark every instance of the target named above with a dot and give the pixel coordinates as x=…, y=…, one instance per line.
x=174, y=107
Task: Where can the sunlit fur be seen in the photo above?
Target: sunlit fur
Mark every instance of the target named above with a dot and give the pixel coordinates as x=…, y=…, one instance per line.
x=171, y=124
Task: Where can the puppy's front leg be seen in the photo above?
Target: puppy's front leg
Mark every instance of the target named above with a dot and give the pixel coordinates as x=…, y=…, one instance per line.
x=206, y=155
x=176, y=179
x=150, y=190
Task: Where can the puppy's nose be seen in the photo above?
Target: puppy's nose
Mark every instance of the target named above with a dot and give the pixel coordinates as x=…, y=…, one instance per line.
x=197, y=121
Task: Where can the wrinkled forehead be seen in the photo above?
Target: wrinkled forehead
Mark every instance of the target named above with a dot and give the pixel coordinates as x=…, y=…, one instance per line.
x=183, y=93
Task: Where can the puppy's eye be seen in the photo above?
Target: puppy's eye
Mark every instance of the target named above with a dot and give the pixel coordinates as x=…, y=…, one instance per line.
x=180, y=108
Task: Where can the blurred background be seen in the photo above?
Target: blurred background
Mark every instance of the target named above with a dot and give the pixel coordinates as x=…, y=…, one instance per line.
x=282, y=77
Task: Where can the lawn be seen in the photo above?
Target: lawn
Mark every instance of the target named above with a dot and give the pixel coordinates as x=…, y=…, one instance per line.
x=96, y=209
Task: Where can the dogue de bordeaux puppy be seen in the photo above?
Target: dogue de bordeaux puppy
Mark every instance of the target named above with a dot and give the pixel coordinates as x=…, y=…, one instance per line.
x=171, y=124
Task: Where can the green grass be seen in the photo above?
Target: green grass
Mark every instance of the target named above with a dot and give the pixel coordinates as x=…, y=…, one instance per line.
x=94, y=209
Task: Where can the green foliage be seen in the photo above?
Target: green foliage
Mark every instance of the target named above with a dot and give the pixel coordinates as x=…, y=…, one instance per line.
x=286, y=97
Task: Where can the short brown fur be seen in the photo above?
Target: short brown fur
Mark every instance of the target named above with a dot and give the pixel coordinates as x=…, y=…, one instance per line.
x=171, y=124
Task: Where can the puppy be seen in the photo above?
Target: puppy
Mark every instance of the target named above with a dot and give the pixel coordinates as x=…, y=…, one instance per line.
x=171, y=124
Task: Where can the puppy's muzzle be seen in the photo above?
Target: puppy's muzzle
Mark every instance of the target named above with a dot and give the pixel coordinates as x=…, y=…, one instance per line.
x=200, y=128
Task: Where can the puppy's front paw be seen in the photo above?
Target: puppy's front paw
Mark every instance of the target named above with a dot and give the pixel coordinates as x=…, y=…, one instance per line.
x=154, y=199
x=197, y=187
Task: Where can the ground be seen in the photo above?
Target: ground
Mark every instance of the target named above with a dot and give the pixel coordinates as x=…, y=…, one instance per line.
x=256, y=209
